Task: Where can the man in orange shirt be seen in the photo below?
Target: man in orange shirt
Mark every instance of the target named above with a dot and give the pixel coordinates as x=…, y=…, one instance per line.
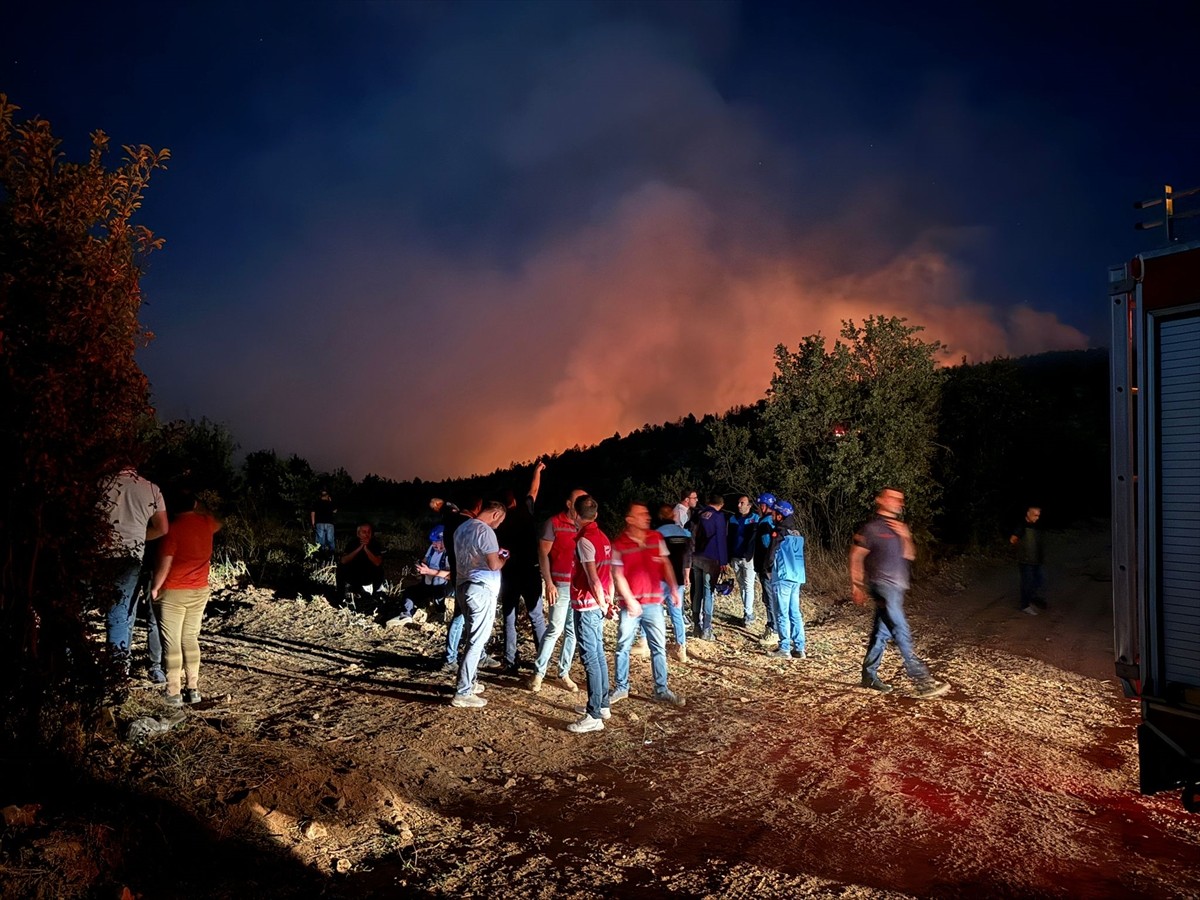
x=180, y=592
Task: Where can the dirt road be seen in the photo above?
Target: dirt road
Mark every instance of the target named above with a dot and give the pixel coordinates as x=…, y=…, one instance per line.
x=338, y=758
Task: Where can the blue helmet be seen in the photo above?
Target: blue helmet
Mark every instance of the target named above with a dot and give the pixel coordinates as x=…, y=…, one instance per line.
x=767, y=500
x=784, y=508
x=439, y=532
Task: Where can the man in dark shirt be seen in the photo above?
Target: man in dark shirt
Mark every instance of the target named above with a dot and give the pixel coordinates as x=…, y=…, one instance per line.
x=362, y=565
x=1027, y=538
x=521, y=577
x=880, y=560
x=321, y=517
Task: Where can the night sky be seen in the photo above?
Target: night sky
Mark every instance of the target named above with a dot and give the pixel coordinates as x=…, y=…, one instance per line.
x=428, y=239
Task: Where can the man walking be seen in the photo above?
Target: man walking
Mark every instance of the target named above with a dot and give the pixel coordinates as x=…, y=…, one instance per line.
x=591, y=599
x=556, y=556
x=478, y=561
x=743, y=528
x=640, y=565
x=1027, y=538
x=880, y=562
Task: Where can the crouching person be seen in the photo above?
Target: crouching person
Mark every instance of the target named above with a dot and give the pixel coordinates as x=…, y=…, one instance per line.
x=591, y=598
x=180, y=592
x=478, y=560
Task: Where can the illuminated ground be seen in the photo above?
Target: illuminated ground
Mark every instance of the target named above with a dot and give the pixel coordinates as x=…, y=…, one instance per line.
x=337, y=749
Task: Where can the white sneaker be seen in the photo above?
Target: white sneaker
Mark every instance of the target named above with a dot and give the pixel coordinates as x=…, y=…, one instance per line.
x=398, y=622
x=420, y=617
x=470, y=701
x=605, y=712
x=586, y=724
x=478, y=688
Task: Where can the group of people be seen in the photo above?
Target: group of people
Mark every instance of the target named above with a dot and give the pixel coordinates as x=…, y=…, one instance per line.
x=567, y=574
x=491, y=556
x=174, y=588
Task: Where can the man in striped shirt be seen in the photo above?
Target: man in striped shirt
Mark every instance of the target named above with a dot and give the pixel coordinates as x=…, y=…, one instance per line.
x=640, y=566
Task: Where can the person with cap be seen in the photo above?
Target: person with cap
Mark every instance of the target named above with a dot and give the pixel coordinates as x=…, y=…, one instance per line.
x=433, y=583
x=743, y=529
x=762, y=548
x=786, y=563
x=880, y=563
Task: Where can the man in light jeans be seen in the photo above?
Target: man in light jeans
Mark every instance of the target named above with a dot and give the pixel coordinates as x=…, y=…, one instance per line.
x=137, y=514
x=591, y=599
x=640, y=565
x=743, y=529
x=478, y=560
x=556, y=557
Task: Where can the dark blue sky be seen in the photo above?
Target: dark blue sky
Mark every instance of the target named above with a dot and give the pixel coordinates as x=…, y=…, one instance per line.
x=422, y=239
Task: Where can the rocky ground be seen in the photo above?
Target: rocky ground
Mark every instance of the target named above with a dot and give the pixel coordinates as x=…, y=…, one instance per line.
x=327, y=761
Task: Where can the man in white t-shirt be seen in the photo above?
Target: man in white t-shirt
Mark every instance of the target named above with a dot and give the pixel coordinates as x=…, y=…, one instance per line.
x=137, y=514
x=478, y=560
x=683, y=509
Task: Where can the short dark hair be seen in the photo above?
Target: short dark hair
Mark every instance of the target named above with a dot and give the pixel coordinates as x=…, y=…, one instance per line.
x=687, y=492
x=714, y=499
x=586, y=507
x=493, y=504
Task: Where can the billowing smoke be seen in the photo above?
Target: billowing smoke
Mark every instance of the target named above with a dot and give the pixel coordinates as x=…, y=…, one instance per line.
x=549, y=233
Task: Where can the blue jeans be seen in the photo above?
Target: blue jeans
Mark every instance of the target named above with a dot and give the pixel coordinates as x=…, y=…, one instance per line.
x=589, y=629
x=651, y=623
x=514, y=587
x=678, y=625
x=1031, y=583
x=479, y=612
x=768, y=596
x=561, y=622
x=324, y=535
x=788, y=616
x=702, y=600
x=455, y=632
x=123, y=612
x=890, y=623
x=743, y=574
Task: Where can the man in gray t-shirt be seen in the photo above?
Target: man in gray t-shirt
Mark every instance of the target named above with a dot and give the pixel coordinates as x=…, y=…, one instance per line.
x=478, y=560
x=880, y=560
